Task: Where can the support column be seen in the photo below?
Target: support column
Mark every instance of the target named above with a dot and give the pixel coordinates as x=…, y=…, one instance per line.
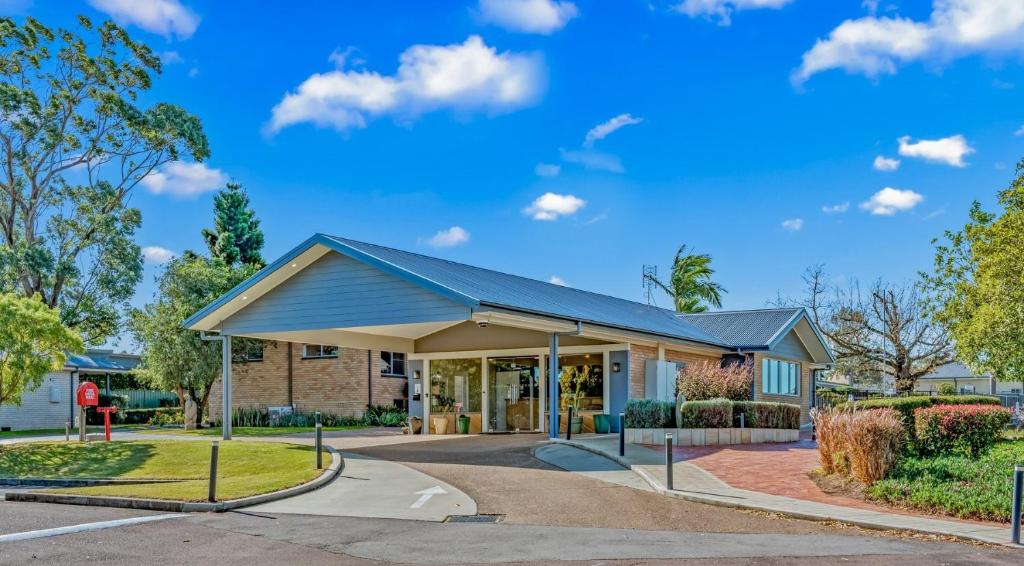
x=553, y=385
x=543, y=383
x=226, y=385
x=425, y=397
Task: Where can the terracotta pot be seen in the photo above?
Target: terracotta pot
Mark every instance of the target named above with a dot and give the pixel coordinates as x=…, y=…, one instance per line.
x=440, y=425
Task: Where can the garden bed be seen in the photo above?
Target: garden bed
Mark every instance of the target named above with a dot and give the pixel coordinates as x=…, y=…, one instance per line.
x=711, y=436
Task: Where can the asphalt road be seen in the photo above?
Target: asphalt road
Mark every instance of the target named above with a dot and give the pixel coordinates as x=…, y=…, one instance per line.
x=547, y=515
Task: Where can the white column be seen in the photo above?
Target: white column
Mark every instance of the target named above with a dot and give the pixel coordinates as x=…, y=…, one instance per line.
x=425, y=397
x=226, y=385
x=606, y=373
x=541, y=379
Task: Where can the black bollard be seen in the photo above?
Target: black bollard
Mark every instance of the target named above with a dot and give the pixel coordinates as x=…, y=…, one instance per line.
x=214, y=450
x=622, y=434
x=568, y=426
x=1018, y=492
x=668, y=462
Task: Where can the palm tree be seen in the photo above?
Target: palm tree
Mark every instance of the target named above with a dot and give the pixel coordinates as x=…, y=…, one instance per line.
x=690, y=285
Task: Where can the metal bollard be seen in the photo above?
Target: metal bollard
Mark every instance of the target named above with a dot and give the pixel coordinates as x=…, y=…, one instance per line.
x=742, y=419
x=568, y=426
x=214, y=451
x=622, y=434
x=319, y=442
x=1018, y=492
x=67, y=430
x=668, y=462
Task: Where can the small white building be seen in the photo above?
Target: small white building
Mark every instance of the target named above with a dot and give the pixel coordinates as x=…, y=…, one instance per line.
x=52, y=404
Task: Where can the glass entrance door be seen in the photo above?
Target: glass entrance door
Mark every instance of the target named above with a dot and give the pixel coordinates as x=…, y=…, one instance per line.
x=513, y=394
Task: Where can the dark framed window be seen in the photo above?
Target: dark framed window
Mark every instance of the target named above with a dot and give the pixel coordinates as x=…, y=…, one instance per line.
x=252, y=351
x=392, y=363
x=319, y=351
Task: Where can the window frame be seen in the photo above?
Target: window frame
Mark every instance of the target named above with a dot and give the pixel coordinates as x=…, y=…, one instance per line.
x=321, y=355
x=780, y=377
x=391, y=363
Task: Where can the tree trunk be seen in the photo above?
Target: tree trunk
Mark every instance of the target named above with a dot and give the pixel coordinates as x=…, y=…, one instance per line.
x=904, y=381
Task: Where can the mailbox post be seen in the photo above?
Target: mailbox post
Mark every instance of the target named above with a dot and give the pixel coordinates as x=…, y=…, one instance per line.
x=106, y=419
x=88, y=395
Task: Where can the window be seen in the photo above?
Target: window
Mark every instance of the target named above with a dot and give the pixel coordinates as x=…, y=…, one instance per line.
x=392, y=363
x=252, y=350
x=319, y=351
x=779, y=377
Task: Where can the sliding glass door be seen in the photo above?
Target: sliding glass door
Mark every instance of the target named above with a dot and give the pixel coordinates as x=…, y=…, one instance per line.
x=513, y=394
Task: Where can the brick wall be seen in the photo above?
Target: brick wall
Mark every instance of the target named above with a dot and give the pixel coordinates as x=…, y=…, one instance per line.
x=803, y=399
x=332, y=385
x=638, y=355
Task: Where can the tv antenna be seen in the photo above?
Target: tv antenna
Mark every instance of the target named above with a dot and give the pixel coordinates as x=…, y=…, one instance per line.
x=650, y=273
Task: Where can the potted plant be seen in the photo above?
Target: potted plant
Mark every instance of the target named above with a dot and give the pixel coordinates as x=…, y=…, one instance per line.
x=445, y=404
x=602, y=424
x=573, y=382
x=462, y=421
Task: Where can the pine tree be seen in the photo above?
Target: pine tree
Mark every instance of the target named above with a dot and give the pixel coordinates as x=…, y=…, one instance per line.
x=236, y=236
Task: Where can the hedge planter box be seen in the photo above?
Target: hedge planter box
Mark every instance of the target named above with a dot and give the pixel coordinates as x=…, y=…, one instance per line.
x=711, y=436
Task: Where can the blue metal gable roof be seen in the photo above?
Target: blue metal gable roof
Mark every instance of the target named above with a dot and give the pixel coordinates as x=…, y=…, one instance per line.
x=101, y=360
x=497, y=289
x=745, y=329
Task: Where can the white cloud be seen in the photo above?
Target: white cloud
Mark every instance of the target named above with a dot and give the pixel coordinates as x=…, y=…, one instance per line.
x=183, y=179
x=875, y=46
x=836, y=208
x=165, y=17
x=889, y=201
x=603, y=130
x=547, y=169
x=723, y=9
x=193, y=73
x=157, y=255
x=793, y=224
x=950, y=151
x=453, y=236
x=464, y=77
x=592, y=159
x=528, y=16
x=883, y=163
x=1019, y=132
x=558, y=281
x=171, y=58
x=549, y=206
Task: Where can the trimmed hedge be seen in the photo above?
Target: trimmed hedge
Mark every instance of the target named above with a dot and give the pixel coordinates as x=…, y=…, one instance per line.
x=968, y=430
x=906, y=406
x=713, y=413
x=764, y=414
x=648, y=413
x=144, y=416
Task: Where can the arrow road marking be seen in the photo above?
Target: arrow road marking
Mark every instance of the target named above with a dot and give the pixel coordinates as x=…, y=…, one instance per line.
x=425, y=496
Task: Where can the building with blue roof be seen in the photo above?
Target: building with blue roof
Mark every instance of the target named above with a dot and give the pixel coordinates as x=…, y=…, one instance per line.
x=343, y=324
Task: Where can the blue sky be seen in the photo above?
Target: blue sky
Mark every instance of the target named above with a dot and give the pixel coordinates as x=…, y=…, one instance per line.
x=738, y=125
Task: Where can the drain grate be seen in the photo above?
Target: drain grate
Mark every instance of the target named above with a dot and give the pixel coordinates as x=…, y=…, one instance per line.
x=473, y=518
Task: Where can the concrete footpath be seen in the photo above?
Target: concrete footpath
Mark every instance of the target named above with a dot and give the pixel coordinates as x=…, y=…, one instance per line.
x=368, y=487
x=694, y=484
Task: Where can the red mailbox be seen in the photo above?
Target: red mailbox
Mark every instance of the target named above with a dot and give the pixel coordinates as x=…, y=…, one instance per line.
x=88, y=394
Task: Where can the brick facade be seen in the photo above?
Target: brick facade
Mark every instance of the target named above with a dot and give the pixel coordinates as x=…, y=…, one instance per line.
x=638, y=356
x=339, y=385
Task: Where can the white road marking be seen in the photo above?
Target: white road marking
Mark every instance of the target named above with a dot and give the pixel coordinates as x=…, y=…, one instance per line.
x=425, y=496
x=86, y=527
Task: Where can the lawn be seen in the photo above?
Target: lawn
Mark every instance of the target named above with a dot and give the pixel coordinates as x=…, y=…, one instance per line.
x=955, y=485
x=249, y=430
x=33, y=432
x=244, y=468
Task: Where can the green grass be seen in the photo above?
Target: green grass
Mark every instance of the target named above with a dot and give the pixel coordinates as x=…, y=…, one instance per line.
x=33, y=432
x=955, y=485
x=244, y=468
x=249, y=430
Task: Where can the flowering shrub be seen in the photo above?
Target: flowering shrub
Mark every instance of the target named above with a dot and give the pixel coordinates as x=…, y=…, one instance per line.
x=861, y=444
x=709, y=380
x=648, y=413
x=716, y=413
x=764, y=414
x=962, y=429
x=907, y=405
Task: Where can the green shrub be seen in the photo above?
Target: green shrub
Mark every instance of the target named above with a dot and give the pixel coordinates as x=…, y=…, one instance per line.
x=947, y=389
x=959, y=429
x=649, y=413
x=714, y=413
x=163, y=415
x=764, y=414
x=384, y=415
x=906, y=406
